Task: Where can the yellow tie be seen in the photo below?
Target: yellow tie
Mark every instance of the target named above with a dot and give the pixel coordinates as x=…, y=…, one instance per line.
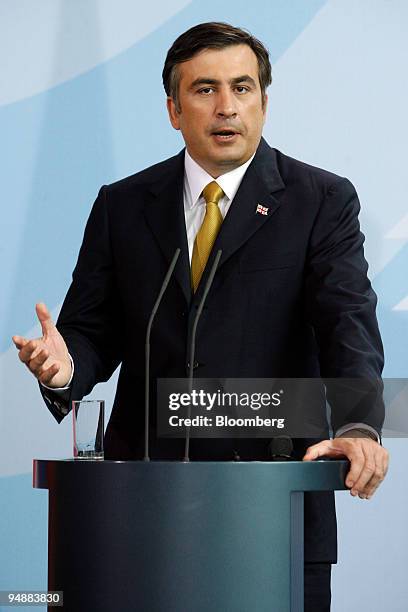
x=207, y=233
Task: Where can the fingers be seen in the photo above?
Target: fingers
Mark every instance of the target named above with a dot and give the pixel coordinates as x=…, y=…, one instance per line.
x=29, y=349
x=19, y=341
x=368, y=462
x=363, y=471
x=41, y=366
x=35, y=356
x=44, y=318
x=355, y=455
x=373, y=472
x=38, y=360
x=46, y=375
x=322, y=449
x=47, y=358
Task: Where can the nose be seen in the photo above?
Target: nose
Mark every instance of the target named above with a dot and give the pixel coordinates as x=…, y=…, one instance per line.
x=226, y=103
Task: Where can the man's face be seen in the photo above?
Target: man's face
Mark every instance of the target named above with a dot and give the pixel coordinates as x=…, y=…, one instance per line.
x=221, y=112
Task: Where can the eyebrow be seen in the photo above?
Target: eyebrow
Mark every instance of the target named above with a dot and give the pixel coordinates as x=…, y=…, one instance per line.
x=244, y=78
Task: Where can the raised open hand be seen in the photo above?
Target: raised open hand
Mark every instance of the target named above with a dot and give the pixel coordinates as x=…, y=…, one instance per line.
x=46, y=357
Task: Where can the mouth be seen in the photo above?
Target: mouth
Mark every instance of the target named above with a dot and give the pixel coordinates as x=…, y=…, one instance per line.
x=225, y=135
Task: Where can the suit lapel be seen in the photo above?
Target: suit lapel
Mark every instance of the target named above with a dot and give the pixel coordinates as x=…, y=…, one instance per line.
x=165, y=216
x=261, y=180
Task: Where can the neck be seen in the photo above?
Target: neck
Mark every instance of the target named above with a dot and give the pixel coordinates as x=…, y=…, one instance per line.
x=217, y=170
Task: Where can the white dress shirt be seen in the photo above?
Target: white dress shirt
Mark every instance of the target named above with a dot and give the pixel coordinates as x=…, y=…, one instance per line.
x=195, y=179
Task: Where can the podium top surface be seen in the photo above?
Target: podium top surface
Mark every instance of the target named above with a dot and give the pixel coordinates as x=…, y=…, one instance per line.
x=281, y=475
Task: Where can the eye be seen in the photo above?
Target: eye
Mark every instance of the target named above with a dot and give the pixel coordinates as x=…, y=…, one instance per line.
x=206, y=90
x=241, y=89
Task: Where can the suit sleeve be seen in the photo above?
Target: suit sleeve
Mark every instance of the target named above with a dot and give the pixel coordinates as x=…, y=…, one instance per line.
x=90, y=317
x=341, y=308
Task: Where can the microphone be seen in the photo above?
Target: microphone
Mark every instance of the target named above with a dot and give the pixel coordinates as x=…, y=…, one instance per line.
x=147, y=350
x=281, y=449
x=192, y=344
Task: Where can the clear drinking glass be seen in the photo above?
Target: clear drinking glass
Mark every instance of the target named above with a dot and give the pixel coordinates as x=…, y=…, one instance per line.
x=88, y=428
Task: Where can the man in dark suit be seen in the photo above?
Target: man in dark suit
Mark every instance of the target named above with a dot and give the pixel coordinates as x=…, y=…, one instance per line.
x=290, y=297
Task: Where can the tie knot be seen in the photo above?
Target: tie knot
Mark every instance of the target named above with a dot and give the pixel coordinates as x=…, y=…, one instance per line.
x=212, y=192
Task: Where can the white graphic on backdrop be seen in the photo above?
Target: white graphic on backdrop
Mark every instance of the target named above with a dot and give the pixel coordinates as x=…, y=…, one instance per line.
x=402, y=305
x=46, y=43
x=400, y=230
x=342, y=107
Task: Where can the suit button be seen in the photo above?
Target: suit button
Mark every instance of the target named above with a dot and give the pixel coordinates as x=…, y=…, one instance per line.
x=195, y=366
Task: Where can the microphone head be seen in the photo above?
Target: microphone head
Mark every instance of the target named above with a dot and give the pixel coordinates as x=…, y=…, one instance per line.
x=281, y=447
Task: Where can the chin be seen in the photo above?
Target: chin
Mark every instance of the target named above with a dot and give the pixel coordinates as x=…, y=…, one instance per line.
x=232, y=157
x=230, y=161
x=227, y=153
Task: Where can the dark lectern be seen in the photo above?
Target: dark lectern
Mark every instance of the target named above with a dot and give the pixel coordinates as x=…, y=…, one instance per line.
x=179, y=537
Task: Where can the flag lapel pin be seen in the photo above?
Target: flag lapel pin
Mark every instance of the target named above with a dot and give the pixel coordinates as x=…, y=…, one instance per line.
x=261, y=210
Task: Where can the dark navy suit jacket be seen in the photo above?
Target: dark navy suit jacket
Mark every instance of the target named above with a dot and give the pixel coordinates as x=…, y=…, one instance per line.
x=290, y=298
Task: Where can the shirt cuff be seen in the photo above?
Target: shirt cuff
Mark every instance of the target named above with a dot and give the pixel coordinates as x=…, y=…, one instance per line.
x=363, y=426
x=62, y=391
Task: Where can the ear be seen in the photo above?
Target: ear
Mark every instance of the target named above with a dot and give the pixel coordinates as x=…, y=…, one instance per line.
x=265, y=106
x=173, y=114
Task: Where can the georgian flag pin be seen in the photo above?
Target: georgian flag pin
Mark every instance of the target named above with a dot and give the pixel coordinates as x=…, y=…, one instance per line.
x=262, y=210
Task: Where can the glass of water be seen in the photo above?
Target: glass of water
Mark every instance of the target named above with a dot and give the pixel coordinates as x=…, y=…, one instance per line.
x=88, y=428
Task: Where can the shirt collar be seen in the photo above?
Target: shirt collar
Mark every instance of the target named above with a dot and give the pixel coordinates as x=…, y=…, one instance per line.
x=196, y=178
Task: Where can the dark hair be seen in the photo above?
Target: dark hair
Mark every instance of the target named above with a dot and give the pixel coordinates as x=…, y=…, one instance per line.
x=211, y=35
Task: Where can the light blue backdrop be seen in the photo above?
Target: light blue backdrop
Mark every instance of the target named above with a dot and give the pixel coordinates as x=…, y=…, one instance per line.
x=82, y=104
